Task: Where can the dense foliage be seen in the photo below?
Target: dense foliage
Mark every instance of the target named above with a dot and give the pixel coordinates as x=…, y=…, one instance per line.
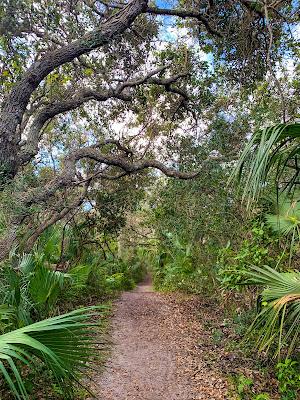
x=143, y=137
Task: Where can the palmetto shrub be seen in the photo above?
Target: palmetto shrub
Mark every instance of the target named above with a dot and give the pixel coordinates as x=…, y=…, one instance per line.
x=63, y=344
x=285, y=221
x=176, y=267
x=277, y=325
x=271, y=153
x=29, y=287
x=270, y=160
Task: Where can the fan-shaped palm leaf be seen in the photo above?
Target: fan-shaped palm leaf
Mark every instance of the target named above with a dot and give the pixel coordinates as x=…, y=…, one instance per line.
x=26, y=264
x=286, y=220
x=80, y=275
x=279, y=319
x=14, y=293
x=271, y=149
x=63, y=343
x=45, y=285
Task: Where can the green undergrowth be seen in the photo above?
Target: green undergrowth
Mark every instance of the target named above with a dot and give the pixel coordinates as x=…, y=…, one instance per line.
x=241, y=278
x=177, y=267
x=41, y=384
x=44, y=284
x=242, y=389
x=288, y=383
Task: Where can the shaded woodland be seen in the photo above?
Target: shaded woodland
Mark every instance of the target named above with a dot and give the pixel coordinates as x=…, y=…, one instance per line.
x=148, y=138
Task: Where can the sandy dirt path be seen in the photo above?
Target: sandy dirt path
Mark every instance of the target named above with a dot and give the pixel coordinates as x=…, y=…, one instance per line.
x=153, y=354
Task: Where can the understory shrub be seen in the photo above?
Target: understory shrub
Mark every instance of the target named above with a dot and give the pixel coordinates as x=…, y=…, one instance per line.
x=276, y=327
x=105, y=277
x=260, y=249
x=61, y=344
x=177, y=267
x=36, y=286
x=288, y=375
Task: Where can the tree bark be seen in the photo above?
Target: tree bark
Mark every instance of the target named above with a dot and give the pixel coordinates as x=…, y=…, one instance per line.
x=67, y=176
x=17, y=100
x=31, y=146
x=51, y=221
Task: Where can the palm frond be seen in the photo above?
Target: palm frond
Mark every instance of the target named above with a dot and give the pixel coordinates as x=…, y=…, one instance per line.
x=7, y=316
x=79, y=275
x=63, y=343
x=26, y=264
x=45, y=285
x=270, y=149
x=286, y=219
x=280, y=316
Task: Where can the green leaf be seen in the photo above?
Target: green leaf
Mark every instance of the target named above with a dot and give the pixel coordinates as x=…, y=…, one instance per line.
x=63, y=343
x=279, y=320
x=272, y=149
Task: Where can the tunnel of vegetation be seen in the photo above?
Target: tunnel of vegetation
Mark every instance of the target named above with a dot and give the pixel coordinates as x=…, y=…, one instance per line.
x=141, y=136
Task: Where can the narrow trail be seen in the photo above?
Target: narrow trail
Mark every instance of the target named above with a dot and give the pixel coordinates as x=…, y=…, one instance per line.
x=153, y=353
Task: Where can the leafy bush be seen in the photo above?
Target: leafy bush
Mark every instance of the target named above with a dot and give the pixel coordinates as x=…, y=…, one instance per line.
x=261, y=396
x=288, y=376
x=233, y=266
x=30, y=287
x=242, y=385
x=242, y=319
x=118, y=282
x=175, y=268
x=99, y=277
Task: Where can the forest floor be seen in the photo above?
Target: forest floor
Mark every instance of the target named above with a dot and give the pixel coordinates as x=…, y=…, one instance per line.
x=165, y=348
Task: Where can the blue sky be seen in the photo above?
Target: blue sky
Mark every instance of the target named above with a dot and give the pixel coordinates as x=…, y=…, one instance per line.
x=165, y=3
x=161, y=3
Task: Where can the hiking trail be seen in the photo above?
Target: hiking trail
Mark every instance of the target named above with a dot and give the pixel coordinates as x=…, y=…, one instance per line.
x=155, y=354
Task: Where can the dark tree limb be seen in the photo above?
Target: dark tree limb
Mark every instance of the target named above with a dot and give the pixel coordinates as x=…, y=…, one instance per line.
x=17, y=100
x=67, y=177
x=186, y=14
x=31, y=146
x=51, y=221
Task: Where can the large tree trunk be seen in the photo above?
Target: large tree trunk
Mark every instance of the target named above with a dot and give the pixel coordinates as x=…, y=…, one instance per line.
x=17, y=100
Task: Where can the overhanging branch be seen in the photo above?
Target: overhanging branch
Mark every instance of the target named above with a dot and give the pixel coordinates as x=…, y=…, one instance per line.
x=17, y=100
x=57, y=216
x=30, y=146
x=67, y=177
x=186, y=14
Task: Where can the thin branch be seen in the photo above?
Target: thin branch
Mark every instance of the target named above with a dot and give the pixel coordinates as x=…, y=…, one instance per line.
x=31, y=146
x=67, y=177
x=269, y=62
x=91, y=5
x=186, y=14
x=55, y=218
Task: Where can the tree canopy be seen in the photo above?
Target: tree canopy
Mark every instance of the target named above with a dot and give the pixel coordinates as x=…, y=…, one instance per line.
x=99, y=90
x=125, y=127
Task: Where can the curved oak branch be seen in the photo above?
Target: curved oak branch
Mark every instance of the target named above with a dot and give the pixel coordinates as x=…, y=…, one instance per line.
x=17, y=100
x=67, y=177
x=186, y=14
x=30, y=146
